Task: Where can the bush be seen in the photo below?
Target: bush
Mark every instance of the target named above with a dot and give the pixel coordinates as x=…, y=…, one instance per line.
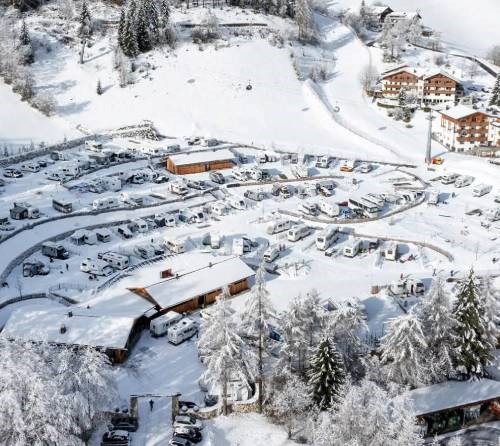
x=45, y=103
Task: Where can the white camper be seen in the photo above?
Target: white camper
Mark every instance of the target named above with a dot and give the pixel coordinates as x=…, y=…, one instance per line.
x=433, y=198
x=327, y=237
x=138, y=225
x=103, y=235
x=298, y=232
x=124, y=231
x=105, y=203
x=113, y=184
x=450, y=178
x=391, y=251
x=464, y=180
x=308, y=208
x=493, y=214
x=178, y=188
x=176, y=246
x=69, y=169
x=279, y=226
x=237, y=203
x=160, y=325
x=330, y=209
x=117, y=261
x=144, y=251
x=352, y=248
x=30, y=167
x=96, y=267
x=181, y=331
x=218, y=208
x=271, y=254
x=481, y=189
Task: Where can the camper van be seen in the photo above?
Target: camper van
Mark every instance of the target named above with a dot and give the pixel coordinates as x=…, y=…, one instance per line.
x=327, y=237
x=330, y=209
x=323, y=161
x=433, y=198
x=144, y=251
x=308, y=208
x=347, y=166
x=5, y=224
x=97, y=267
x=450, y=178
x=298, y=232
x=113, y=184
x=391, y=251
x=279, y=226
x=464, y=180
x=94, y=146
x=105, y=203
x=352, y=248
x=64, y=206
x=271, y=254
x=219, y=208
x=103, y=235
x=481, y=189
x=124, y=232
x=69, y=169
x=117, y=261
x=138, y=225
x=54, y=250
x=30, y=167
x=326, y=187
x=255, y=195
x=178, y=188
x=181, y=331
x=176, y=246
x=493, y=214
x=242, y=245
x=240, y=175
x=160, y=325
x=237, y=203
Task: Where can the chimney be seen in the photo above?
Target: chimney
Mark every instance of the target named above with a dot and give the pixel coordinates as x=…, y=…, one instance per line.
x=62, y=329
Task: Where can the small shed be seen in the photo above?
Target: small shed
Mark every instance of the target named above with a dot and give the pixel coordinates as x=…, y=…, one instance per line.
x=197, y=162
x=103, y=235
x=83, y=237
x=19, y=212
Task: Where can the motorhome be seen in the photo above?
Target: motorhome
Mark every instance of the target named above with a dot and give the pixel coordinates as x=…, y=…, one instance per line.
x=255, y=174
x=178, y=188
x=279, y=226
x=352, y=248
x=369, y=209
x=327, y=237
x=375, y=199
x=61, y=205
x=22, y=211
x=117, y=261
x=240, y=175
x=69, y=169
x=271, y=254
x=330, y=209
x=103, y=235
x=168, y=220
x=308, y=208
x=464, y=181
x=481, y=189
x=255, y=195
x=216, y=240
x=54, y=250
x=144, y=251
x=113, y=184
x=35, y=268
x=160, y=325
x=124, y=232
x=391, y=251
x=96, y=267
x=301, y=171
x=217, y=177
x=173, y=148
x=493, y=214
x=92, y=145
x=242, y=245
x=347, y=166
x=325, y=187
x=105, y=203
x=218, y=208
x=176, y=246
x=237, y=203
x=298, y=232
x=30, y=167
x=323, y=161
x=433, y=198
x=181, y=331
x=138, y=225
x=450, y=178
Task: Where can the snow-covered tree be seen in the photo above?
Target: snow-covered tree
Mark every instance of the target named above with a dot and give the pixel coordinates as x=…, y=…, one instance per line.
x=152, y=19
x=495, y=93
x=402, y=97
x=121, y=28
x=256, y=319
x=85, y=28
x=473, y=350
x=326, y=375
x=99, y=90
x=402, y=350
x=368, y=415
x=494, y=54
x=222, y=350
x=304, y=19
x=129, y=38
x=26, y=53
x=437, y=324
x=142, y=31
x=491, y=302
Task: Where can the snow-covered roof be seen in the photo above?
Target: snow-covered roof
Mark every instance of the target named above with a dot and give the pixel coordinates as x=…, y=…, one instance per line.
x=200, y=279
x=377, y=10
x=459, y=112
x=184, y=159
x=451, y=394
x=433, y=73
x=403, y=15
x=396, y=69
x=82, y=328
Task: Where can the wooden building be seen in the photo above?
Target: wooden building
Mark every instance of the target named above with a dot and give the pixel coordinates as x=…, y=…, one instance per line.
x=197, y=162
x=190, y=290
x=374, y=16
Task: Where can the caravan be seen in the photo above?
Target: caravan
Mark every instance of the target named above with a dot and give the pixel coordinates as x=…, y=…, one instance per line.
x=96, y=267
x=352, y=248
x=279, y=226
x=64, y=206
x=105, y=203
x=218, y=208
x=117, y=261
x=237, y=203
x=308, y=208
x=138, y=225
x=433, y=198
x=464, y=180
x=181, y=331
x=271, y=254
x=298, y=232
x=30, y=167
x=391, y=251
x=330, y=209
x=144, y=251
x=481, y=189
x=176, y=246
x=54, y=251
x=327, y=237
x=160, y=325
x=450, y=178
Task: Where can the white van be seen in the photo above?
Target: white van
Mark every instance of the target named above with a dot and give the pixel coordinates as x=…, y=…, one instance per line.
x=97, y=267
x=450, y=178
x=144, y=251
x=113, y=184
x=237, y=203
x=298, y=233
x=415, y=286
x=481, y=189
x=352, y=248
x=117, y=261
x=219, y=208
x=327, y=237
x=138, y=225
x=492, y=214
x=271, y=254
x=433, y=198
x=175, y=246
x=391, y=251
x=308, y=208
x=330, y=209
x=105, y=203
x=181, y=331
x=279, y=226
x=160, y=325
x=69, y=169
x=30, y=167
x=463, y=181
x=178, y=188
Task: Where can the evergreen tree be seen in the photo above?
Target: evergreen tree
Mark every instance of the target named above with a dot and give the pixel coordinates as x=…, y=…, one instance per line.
x=129, y=42
x=495, y=94
x=304, y=19
x=473, y=348
x=99, y=88
x=152, y=19
x=85, y=20
x=121, y=28
x=491, y=299
x=27, y=55
x=326, y=375
x=142, y=31
x=164, y=12
x=402, y=99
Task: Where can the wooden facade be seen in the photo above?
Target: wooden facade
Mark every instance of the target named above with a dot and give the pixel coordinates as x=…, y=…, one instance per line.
x=200, y=167
x=394, y=82
x=439, y=87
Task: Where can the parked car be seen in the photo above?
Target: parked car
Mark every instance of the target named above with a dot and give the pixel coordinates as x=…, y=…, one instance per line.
x=179, y=441
x=217, y=177
x=188, y=407
x=210, y=400
x=116, y=437
x=161, y=179
x=187, y=421
x=193, y=435
x=197, y=184
x=12, y=173
x=124, y=423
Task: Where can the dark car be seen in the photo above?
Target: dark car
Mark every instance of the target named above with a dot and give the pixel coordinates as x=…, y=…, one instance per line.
x=217, y=177
x=124, y=423
x=42, y=163
x=193, y=435
x=210, y=400
x=188, y=407
x=179, y=441
x=116, y=437
x=161, y=179
x=12, y=173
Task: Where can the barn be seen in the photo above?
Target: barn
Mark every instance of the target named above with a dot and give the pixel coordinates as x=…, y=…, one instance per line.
x=189, y=290
x=197, y=162
x=115, y=335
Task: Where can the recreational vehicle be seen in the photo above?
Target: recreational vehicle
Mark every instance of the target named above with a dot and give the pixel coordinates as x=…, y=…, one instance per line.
x=217, y=177
x=176, y=246
x=369, y=209
x=323, y=161
x=326, y=187
x=237, y=203
x=117, y=261
x=463, y=181
x=181, y=331
x=178, y=188
x=30, y=167
x=481, y=189
x=327, y=237
x=415, y=287
x=242, y=245
x=113, y=184
x=54, y=250
x=35, y=268
x=298, y=232
x=330, y=209
x=144, y=251
x=271, y=254
x=103, y=235
x=308, y=208
x=375, y=199
x=365, y=168
x=255, y=174
x=138, y=225
x=160, y=325
x=69, y=169
x=391, y=251
x=105, y=203
x=255, y=195
x=240, y=175
x=22, y=211
x=279, y=226
x=450, y=178
x=352, y=248
x=347, y=166
x=55, y=176
x=493, y=214
x=301, y=171
x=5, y=224
x=219, y=208
x=96, y=267
x=64, y=206
x=124, y=232
x=433, y=198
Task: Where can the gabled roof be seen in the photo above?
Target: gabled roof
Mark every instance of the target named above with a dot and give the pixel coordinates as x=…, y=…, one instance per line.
x=377, y=10
x=404, y=15
x=433, y=73
x=459, y=112
x=402, y=69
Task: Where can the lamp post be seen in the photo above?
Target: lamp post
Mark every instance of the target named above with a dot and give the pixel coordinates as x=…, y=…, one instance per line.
x=428, y=153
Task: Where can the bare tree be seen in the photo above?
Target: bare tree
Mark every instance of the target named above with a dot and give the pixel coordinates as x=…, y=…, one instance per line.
x=494, y=54
x=368, y=77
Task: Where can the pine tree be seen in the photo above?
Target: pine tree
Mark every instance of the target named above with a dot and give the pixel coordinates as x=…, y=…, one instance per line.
x=27, y=55
x=142, y=31
x=130, y=48
x=402, y=100
x=473, y=349
x=85, y=21
x=152, y=19
x=326, y=375
x=121, y=28
x=164, y=12
x=491, y=299
x=495, y=94
x=99, y=88
x=304, y=19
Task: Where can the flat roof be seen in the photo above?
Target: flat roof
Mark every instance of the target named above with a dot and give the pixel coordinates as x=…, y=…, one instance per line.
x=451, y=394
x=83, y=328
x=185, y=159
x=199, y=280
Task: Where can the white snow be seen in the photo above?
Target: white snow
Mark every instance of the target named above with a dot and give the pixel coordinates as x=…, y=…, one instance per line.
x=184, y=159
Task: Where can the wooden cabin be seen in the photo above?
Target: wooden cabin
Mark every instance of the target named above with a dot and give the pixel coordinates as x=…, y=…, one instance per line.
x=197, y=162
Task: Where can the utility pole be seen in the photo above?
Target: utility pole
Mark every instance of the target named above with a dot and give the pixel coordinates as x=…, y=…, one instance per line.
x=428, y=153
